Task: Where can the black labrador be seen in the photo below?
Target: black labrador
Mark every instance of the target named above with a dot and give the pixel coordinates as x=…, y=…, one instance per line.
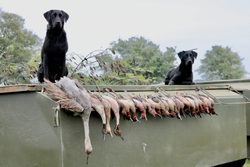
x=55, y=46
x=182, y=75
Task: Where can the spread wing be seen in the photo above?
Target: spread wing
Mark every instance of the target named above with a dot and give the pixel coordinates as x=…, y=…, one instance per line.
x=66, y=101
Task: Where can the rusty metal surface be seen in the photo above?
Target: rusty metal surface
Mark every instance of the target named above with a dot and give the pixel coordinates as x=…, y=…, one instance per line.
x=19, y=88
x=239, y=85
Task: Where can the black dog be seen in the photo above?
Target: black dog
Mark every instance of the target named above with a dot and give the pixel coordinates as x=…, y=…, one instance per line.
x=182, y=75
x=55, y=46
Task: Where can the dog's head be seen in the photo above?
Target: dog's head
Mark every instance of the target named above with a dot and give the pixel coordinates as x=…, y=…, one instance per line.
x=56, y=18
x=187, y=57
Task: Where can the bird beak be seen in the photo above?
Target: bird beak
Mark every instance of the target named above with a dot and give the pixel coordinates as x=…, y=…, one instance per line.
x=111, y=134
x=104, y=137
x=159, y=115
x=87, y=152
x=122, y=137
x=87, y=159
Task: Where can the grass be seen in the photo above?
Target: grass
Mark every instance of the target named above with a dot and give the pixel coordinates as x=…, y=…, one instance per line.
x=247, y=163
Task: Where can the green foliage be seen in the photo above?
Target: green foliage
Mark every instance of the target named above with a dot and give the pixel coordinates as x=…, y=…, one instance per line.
x=221, y=64
x=247, y=163
x=145, y=57
x=133, y=61
x=102, y=67
x=17, y=46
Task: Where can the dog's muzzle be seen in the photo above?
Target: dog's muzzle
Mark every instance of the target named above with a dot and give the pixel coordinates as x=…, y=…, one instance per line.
x=189, y=61
x=57, y=23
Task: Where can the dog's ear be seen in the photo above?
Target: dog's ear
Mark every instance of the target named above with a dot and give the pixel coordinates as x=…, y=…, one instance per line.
x=65, y=15
x=194, y=54
x=47, y=15
x=181, y=54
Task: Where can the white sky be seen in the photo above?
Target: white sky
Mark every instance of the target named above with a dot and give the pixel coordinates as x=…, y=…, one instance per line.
x=93, y=24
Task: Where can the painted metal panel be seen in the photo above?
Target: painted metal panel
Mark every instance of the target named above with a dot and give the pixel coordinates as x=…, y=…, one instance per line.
x=27, y=133
x=28, y=136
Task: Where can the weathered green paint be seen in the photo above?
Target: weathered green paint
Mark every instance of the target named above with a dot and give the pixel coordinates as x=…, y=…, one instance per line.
x=28, y=136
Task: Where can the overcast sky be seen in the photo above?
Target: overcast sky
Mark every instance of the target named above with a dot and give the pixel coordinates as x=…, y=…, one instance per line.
x=185, y=24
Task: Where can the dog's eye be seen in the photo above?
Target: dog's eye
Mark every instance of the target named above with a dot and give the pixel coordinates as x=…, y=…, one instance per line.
x=60, y=16
x=54, y=15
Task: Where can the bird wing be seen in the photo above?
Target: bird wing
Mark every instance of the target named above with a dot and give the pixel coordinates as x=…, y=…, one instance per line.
x=66, y=101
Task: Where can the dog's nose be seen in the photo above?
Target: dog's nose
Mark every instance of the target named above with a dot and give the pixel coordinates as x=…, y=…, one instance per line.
x=189, y=61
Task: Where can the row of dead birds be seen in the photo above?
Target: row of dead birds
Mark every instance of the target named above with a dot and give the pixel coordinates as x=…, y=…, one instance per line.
x=73, y=97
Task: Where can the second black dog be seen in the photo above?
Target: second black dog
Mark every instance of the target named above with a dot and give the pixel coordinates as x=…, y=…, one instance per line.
x=55, y=46
x=183, y=74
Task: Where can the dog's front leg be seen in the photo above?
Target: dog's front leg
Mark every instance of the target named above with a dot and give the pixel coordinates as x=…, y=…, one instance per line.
x=188, y=80
x=188, y=83
x=171, y=82
x=175, y=80
x=64, y=67
x=46, y=67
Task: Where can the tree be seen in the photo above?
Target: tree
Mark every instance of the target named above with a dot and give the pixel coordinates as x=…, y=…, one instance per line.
x=221, y=64
x=103, y=67
x=144, y=56
x=17, y=46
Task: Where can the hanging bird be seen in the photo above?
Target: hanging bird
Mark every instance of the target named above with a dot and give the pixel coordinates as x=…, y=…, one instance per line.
x=148, y=107
x=140, y=106
x=131, y=107
x=96, y=106
x=124, y=106
x=72, y=99
x=115, y=109
x=171, y=105
x=107, y=109
x=211, y=107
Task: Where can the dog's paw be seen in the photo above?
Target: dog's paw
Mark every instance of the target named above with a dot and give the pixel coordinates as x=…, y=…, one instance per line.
x=171, y=83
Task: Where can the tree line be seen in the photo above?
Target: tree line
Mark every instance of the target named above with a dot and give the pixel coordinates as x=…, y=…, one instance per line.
x=136, y=60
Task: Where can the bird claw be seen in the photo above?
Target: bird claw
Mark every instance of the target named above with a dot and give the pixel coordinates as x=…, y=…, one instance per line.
x=137, y=120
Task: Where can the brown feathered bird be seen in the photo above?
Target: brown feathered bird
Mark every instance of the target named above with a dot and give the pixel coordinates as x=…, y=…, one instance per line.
x=69, y=96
